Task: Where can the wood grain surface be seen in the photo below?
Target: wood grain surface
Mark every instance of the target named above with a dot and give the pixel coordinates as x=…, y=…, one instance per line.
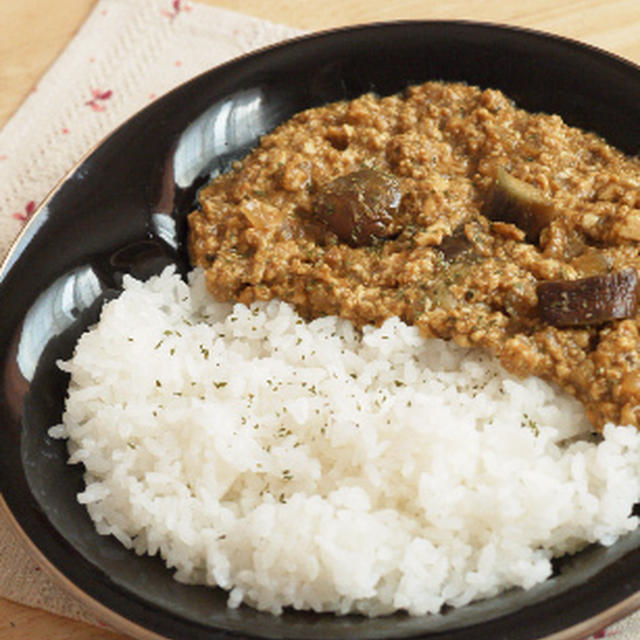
x=31, y=38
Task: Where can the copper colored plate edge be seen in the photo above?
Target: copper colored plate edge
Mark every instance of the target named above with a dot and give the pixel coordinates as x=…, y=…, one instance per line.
x=123, y=625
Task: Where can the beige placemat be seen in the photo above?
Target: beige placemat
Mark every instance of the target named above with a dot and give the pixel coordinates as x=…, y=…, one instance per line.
x=126, y=54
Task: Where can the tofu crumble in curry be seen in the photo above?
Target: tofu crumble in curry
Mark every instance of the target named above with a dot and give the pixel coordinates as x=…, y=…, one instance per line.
x=455, y=210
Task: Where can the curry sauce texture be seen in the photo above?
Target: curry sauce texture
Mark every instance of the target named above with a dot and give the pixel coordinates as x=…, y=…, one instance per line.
x=448, y=206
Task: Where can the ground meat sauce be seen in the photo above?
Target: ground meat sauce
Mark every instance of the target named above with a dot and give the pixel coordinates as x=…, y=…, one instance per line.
x=447, y=206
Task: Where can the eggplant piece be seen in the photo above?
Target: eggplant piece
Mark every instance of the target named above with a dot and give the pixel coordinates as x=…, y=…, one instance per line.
x=360, y=206
x=589, y=301
x=513, y=200
x=454, y=245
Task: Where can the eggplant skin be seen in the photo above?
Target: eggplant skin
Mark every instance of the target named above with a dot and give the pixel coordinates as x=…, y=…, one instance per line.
x=589, y=301
x=359, y=207
x=515, y=201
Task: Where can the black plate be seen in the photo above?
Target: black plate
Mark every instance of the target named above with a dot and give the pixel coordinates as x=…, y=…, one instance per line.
x=123, y=210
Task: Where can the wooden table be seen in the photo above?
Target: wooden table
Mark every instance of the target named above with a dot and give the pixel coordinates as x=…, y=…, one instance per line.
x=31, y=38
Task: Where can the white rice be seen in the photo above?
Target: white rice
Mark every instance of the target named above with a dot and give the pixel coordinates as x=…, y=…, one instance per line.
x=305, y=464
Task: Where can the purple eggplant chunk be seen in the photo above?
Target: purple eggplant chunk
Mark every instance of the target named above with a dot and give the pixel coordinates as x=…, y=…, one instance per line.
x=513, y=200
x=589, y=301
x=360, y=206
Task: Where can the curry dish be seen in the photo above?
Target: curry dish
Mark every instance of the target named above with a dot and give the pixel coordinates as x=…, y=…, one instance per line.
x=452, y=208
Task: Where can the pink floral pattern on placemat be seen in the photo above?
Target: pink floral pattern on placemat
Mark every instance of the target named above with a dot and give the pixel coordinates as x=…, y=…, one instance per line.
x=26, y=213
x=604, y=633
x=98, y=98
x=177, y=7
